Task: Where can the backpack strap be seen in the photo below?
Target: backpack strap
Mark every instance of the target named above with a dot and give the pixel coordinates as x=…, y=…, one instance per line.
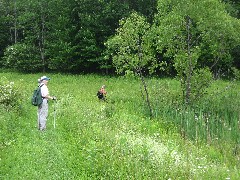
x=40, y=85
x=40, y=89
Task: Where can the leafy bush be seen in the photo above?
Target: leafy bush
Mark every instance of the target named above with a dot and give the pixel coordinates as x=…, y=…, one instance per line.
x=9, y=94
x=201, y=80
x=236, y=73
x=21, y=57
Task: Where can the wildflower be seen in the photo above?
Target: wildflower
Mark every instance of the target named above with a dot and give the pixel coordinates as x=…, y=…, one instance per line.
x=196, y=117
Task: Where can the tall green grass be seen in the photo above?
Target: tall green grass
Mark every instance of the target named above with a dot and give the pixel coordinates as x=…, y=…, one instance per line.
x=113, y=140
x=216, y=117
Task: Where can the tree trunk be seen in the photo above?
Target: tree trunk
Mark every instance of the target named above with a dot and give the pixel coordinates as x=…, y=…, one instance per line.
x=146, y=91
x=139, y=71
x=190, y=68
x=42, y=42
x=15, y=22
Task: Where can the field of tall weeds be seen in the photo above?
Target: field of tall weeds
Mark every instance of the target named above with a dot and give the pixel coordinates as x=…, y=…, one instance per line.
x=117, y=139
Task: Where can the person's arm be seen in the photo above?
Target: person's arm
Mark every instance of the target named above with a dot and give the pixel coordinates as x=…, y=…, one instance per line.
x=50, y=97
x=104, y=91
x=45, y=93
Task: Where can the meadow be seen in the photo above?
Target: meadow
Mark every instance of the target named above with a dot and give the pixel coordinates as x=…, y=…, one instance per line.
x=117, y=139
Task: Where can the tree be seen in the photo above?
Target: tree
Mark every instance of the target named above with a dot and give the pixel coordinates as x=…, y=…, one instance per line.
x=8, y=25
x=59, y=46
x=130, y=49
x=29, y=24
x=94, y=21
x=234, y=9
x=43, y=39
x=183, y=29
x=68, y=35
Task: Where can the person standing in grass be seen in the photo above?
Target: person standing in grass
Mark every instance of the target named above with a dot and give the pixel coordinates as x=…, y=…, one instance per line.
x=43, y=108
x=102, y=93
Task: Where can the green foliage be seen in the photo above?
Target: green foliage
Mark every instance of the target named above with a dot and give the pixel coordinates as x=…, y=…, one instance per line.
x=22, y=56
x=213, y=118
x=3, y=35
x=130, y=48
x=236, y=73
x=69, y=36
x=186, y=30
x=9, y=95
x=201, y=80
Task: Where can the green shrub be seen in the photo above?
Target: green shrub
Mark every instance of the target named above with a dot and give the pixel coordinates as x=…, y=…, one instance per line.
x=236, y=73
x=21, y=57
x=201, y=80
x=9, y=94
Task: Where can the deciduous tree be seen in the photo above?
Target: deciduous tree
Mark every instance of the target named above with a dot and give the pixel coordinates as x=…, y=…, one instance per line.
x=186, y=29
x=130, y=49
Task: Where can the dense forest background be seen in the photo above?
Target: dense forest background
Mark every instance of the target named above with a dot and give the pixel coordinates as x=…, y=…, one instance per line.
x=73, y=36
